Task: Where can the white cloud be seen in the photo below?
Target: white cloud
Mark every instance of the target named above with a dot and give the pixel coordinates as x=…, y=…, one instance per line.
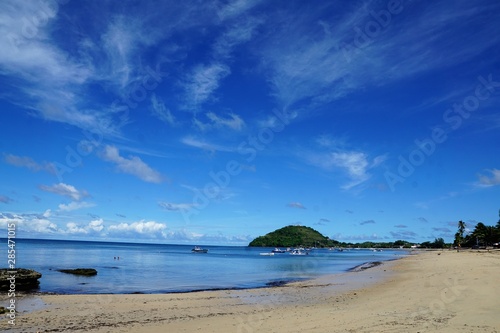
x=38, y=223
x=149, y=228
x=65, y=190
x=74, y=205
x=132, y=165
x=92, y=227
x=489, y=180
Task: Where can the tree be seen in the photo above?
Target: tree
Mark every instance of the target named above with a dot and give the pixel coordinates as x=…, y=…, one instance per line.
x=439, y=243
x=459, y=236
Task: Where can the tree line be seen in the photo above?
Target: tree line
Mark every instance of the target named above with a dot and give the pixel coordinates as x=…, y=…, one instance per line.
x=482, y=235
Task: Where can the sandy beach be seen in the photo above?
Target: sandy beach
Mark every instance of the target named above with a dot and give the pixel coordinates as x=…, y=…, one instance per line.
x=434, y=291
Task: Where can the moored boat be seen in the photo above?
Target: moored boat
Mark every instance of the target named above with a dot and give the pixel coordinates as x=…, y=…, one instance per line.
x=298, y=252
x=198, y=249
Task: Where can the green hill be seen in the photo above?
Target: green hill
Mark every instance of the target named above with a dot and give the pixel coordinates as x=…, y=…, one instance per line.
x=292, y=236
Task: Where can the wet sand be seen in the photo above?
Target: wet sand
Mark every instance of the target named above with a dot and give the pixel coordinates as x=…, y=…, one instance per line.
x=434, y=291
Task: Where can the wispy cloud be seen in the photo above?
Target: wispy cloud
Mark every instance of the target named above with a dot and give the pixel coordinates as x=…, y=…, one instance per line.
x=202, y=144
x=53, y=83
x=235, y=8
x=160, y=111
x=132, y=165
x=313, y=64
x=356, y=165
x=28, y=162
x=204, y=79
x=232, y=121
x=65, y=190
x=400, y=226
x=296, y=205
x=441, y=229
x=489, y=180
x=361, y=237
x=367, y=222
x=176, y=207
x=5, y=199
x=404, y=235
x=214, y=121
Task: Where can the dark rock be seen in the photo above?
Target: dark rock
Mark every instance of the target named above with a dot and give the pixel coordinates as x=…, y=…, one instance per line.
x=79, y=271
x=24, y=279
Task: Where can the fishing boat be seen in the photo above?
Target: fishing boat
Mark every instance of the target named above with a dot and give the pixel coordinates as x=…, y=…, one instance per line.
x=278, y=250
x=198, y=249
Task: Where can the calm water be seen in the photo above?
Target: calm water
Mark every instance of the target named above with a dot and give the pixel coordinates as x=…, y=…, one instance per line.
x=151, y=268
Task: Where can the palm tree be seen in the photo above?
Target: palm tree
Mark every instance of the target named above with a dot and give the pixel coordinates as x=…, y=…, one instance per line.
x=459, y=236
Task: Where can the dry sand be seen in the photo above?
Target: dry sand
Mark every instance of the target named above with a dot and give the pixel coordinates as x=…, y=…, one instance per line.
x=435, y=291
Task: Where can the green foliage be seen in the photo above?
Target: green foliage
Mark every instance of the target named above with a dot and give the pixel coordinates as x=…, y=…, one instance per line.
x=438, y=243
x=292, y=236
x=482, y=235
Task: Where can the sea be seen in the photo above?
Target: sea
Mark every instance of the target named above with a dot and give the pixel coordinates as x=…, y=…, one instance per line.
x=125, y=268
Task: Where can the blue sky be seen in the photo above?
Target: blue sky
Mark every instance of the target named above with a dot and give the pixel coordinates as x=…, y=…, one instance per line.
x=213, y=122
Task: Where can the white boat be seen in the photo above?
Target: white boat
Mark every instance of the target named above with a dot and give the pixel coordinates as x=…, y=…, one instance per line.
x=278, y=250
x=267, y=253
x=298, y=252
x=198, y=249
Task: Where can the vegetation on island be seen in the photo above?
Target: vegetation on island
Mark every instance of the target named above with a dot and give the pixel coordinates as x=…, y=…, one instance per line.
x=292, y=236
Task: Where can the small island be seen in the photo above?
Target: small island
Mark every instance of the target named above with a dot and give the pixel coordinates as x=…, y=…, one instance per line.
x=292, y=236
x=79, y=271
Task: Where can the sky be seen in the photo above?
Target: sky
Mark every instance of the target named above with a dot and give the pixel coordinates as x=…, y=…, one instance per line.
x=214, y=122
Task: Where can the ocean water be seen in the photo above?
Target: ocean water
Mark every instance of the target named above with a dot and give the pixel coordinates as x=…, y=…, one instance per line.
x=163, y=268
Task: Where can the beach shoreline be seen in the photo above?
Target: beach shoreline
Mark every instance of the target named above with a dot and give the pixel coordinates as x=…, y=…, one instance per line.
x=434, y=291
